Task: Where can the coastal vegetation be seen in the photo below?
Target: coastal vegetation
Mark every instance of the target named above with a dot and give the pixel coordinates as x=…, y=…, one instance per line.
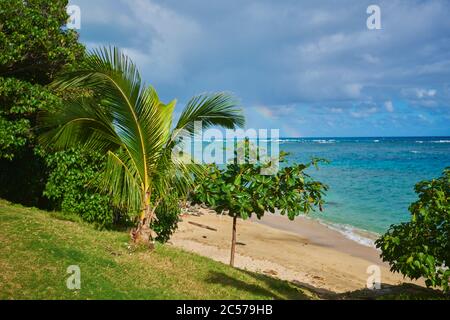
x=240, y=190
x=421, y=247
x=38, y=247
x=84, y=138
x=126, y=121
x=34, y=47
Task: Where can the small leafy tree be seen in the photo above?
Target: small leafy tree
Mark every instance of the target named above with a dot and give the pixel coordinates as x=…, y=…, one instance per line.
x=240, y=190
x=421, y=247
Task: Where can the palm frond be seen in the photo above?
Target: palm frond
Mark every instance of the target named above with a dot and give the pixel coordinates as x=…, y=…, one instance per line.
x=217, y=109
x=132, y=126
x=122, y=181
x=79, y=122
x=116, y=85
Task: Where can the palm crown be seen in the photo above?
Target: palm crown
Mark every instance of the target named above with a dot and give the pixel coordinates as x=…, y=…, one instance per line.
x=127, y=121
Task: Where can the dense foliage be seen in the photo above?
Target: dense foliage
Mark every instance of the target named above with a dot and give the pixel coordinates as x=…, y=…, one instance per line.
x=240, y=189
x=34, y=44
x=34, y=47
x=19, y=101
x=73, y=186
x=168, y=214
x=126, y=121
x=421, y=247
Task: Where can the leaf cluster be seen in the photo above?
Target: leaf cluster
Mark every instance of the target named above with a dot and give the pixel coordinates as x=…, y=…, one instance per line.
x=241, y=190
x=421, y=247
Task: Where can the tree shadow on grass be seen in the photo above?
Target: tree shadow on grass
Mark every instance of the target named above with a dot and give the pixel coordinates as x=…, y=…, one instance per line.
x=271, y=288
x=261, y=285
x=404, y=291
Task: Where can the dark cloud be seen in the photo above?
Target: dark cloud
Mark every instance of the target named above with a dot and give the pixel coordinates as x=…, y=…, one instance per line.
x=307, y=67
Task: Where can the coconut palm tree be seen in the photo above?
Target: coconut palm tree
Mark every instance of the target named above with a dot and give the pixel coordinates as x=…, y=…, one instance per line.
x=121, y=117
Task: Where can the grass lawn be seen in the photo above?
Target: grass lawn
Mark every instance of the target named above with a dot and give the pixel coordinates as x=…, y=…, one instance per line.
x=37, y=247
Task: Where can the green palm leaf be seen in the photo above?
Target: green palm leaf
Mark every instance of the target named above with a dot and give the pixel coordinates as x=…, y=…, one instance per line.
x=128, y=122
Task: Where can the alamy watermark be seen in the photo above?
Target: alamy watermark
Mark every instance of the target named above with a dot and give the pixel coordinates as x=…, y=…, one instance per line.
x=374, y=280
x=73, y=282
x=219, y=147
x=374, y=20
x=74, y=21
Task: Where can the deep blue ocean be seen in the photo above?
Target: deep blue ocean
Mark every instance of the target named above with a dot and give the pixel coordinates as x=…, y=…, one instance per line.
x=371, y=180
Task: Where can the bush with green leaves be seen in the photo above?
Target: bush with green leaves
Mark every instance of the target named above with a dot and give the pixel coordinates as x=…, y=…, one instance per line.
x=421, y=247
x=73, y=186
x=34, y=47
x=240, y=190
x=168, y=214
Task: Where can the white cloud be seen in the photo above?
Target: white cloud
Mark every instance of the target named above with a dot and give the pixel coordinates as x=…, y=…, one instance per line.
x=168, y=36
x=389, y=106
x=367, y=57
x=336, y=110
x=363, y=113
x=353, y=90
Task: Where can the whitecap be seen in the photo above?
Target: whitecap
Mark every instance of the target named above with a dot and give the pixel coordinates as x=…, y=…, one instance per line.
x=324, y=141
x=361, y=236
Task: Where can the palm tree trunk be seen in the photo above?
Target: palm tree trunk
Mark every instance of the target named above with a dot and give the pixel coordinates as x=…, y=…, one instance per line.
x=143, y=234
x=233, y=241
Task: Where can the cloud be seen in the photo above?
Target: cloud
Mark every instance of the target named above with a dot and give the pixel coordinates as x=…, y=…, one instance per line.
x=389, y=106
x=419, y=93
x=363, y=113
x=266, y=112
x=336, y=110
x=367, y=57
x=296, y=59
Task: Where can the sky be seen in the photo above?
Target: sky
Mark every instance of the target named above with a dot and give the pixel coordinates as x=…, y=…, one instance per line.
x=309, y=68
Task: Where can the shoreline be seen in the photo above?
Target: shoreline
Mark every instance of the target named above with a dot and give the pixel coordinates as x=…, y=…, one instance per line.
x=301, y=251
x=319, y=232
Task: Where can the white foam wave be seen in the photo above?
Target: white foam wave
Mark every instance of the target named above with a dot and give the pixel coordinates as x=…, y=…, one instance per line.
x=325, y=141
x=434, y=141
x=364, y=237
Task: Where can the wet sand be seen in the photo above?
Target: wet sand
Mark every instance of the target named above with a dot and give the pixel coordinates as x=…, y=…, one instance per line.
x=320, y=235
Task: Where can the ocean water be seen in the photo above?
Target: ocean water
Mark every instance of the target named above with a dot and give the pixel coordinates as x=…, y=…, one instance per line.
x=371, y=180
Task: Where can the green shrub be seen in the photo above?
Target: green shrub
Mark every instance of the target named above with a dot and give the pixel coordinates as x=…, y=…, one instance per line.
x=421, y=247
x=168, y=213
x=73, y=186
x=34, y=47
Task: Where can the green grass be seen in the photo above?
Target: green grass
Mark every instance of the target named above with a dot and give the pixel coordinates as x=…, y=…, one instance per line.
x=37, y=247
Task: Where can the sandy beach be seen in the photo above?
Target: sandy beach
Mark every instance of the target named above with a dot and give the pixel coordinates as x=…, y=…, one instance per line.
x=302, y=251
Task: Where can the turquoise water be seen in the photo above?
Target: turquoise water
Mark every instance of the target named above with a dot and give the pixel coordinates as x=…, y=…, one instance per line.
x=371, y=180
